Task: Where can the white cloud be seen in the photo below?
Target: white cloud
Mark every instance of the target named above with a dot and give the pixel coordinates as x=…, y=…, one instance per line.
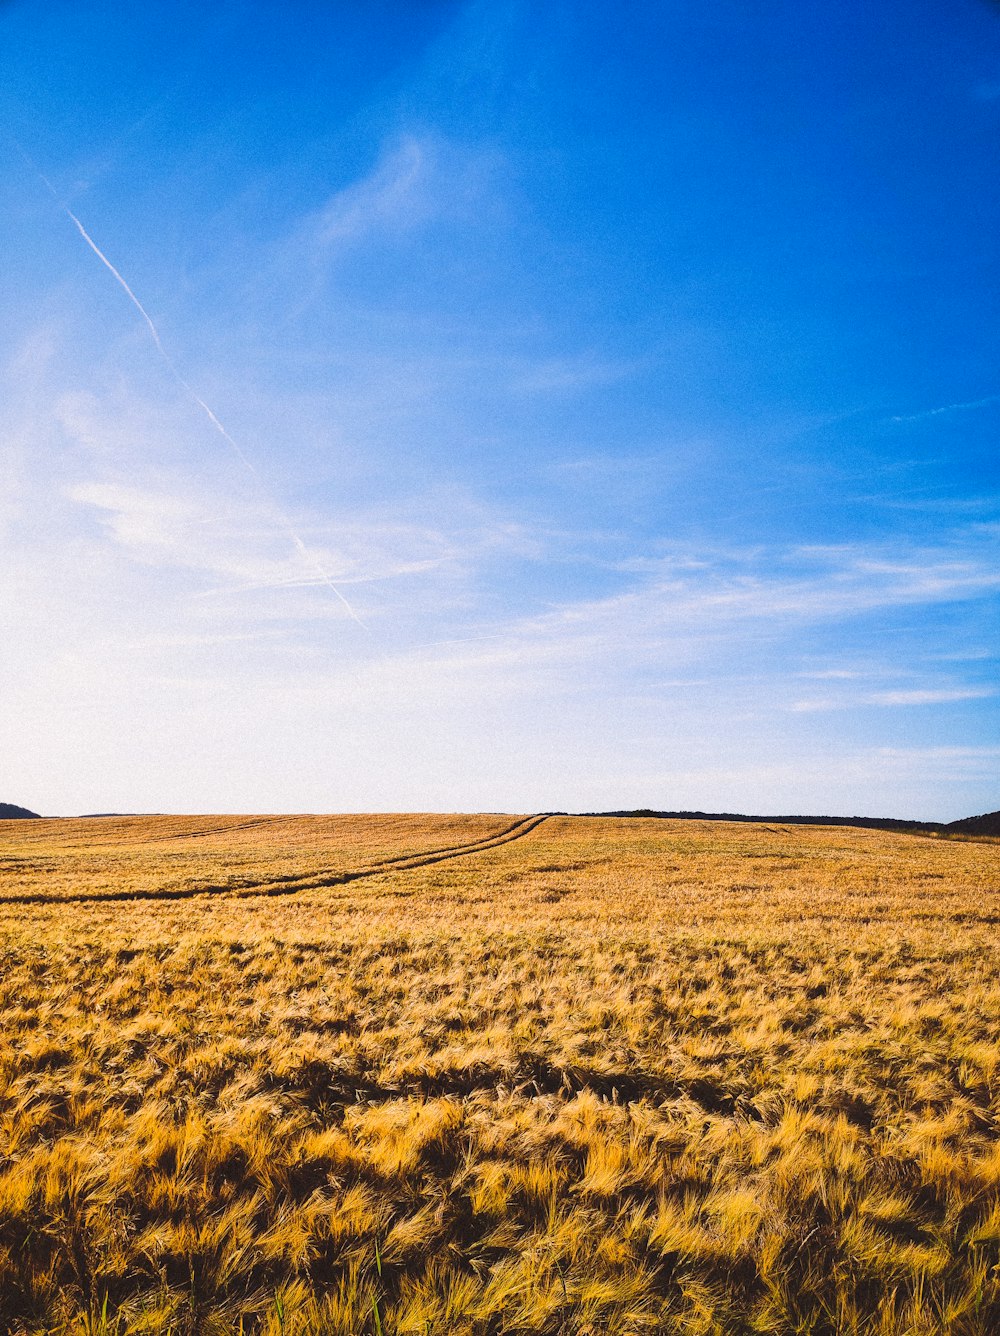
x=570, y=374
x=246, y=544
x=835, y=674
x=960, y=407
x=928, y=697
x=393, y=195
x=419, y=177
x=705, y=592
x=920, y=696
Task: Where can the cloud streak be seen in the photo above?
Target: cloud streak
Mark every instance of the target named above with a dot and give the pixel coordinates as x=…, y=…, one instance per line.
x=180, y=527
x=929, y=696
x=389, y=197
x=962, y=407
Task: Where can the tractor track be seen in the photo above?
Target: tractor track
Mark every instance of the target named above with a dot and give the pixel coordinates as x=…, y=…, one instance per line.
x=213, y=830
x=305, y=882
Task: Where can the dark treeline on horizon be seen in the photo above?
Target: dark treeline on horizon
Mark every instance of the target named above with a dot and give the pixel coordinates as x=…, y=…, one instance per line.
x=987, y=824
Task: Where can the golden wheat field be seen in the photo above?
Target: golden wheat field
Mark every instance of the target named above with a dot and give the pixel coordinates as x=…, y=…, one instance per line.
x=443, y=1075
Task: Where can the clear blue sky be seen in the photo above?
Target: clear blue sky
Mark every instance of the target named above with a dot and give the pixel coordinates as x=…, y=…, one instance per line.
x=563, y=405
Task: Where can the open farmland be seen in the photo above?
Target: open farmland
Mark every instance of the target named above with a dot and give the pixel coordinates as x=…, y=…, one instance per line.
x=594, y=1075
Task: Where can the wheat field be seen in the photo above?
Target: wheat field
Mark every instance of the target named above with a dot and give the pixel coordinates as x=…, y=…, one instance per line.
x=291, y=1075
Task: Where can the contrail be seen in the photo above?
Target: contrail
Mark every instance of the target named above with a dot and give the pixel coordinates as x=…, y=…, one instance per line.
x=948, y=408
x=154, y=333
x=121, y=282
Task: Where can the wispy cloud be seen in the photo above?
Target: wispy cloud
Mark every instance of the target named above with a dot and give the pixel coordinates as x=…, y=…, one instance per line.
x=960, y=407
x=706, y=588
x=835, y=674
x=242, y=543
x=717, y=612
x=570, y=374
x=420, y=176
x=925, y=696
x=393, y=195
x=928, y=696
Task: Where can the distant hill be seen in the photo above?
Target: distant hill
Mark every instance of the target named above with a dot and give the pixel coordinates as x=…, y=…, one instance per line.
x=9, y=812
x=987, y=824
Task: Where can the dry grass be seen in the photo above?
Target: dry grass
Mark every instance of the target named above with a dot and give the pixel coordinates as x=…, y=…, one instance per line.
x=617, y=1076
x=179, y=855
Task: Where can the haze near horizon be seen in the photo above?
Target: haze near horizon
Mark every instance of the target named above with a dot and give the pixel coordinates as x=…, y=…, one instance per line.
x=493, y=407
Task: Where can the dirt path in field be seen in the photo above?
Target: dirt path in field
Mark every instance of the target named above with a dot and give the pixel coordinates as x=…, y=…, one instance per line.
x=292, y=885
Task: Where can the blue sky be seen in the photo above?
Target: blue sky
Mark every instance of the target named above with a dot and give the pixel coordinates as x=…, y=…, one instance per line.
x=573, y=406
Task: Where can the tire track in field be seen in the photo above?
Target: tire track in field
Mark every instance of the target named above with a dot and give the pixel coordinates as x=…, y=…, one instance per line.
x=400, y=863
x=214, y=830
x=305, y=882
